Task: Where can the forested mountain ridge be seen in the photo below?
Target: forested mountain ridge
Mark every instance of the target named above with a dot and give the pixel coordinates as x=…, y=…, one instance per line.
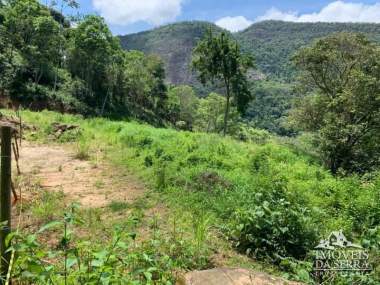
x=174, y=44
x=271, y=42
x=274, y=42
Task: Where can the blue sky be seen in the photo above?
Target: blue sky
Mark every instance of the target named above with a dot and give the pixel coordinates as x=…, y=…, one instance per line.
x=129, y=16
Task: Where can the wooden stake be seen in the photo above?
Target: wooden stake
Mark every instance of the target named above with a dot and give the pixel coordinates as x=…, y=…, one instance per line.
x=17, y=148
x=15, y=196
x=20, y=129
x=5, y=198
x=16, y=158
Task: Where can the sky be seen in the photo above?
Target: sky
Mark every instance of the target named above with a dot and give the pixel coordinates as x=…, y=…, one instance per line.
x=131, y=16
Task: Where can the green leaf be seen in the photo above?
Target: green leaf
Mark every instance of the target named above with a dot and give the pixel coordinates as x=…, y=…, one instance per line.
x=70, y=262
x=49, y=226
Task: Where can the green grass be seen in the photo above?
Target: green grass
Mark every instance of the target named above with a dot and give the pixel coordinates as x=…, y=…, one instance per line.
x=230, y=187
x=48, y=206
x=117, y=206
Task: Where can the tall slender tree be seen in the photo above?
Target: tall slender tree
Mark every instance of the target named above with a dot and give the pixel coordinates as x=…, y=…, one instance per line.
x=219, y=58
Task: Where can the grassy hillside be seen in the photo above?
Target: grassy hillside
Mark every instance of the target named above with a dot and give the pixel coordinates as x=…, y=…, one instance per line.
x=174, y=44
x=267, y=200
x=272, y=43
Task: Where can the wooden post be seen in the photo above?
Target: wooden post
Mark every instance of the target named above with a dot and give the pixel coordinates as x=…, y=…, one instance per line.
x=5, y=198
x=20, y=129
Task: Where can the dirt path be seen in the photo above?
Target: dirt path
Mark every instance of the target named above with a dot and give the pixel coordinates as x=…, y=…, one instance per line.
x=55, y=168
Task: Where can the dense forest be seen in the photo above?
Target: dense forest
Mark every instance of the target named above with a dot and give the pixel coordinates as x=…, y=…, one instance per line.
x=275, y=42
x=46, y=63
x=272, y=43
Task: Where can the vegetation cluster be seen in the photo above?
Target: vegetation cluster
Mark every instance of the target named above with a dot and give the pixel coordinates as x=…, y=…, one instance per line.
x=269, y=200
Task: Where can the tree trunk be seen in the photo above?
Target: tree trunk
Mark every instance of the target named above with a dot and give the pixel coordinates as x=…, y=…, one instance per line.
x=55, y=80
x=104, y=103
x=5, y=189
x=227, y=108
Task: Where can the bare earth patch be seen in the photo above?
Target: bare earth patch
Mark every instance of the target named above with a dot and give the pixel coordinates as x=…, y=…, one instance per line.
x=55, y=168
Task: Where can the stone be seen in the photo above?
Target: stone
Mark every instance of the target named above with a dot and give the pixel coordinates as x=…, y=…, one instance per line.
x=231, y=276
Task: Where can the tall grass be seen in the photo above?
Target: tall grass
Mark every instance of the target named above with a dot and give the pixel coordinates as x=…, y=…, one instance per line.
x=178, y=160
x=235, y=181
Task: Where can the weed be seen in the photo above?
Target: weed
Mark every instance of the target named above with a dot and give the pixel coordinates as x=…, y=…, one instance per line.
x=117, y=206
x=99, y=184
x=82, y=150
x=161, y=176
x=46, y=208
x=85, y=263
x=201, y=223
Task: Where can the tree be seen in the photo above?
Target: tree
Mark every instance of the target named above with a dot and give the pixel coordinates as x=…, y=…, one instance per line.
x=271, y=106
x=9, y=59
x=64, y=23
x=219, y=58
x=33, y=38
x=182, y=105
x=156, y=69
x=44, y=51
x=342, y=74
x=144, y=76
x=92, y=51
x=47, y=63
x=209, y=117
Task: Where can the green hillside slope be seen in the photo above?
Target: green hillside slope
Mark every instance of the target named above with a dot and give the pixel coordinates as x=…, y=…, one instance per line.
x=274, y=42
x=268, y=200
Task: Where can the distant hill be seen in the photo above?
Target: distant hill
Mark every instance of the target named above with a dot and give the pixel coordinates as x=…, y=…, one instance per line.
x=174, y=44
x=272, y=42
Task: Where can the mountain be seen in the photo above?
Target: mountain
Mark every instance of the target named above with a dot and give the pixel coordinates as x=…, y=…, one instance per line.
x=272, y=43
x=174, y=44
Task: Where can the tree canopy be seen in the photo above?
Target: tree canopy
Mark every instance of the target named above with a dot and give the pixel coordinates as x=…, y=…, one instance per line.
x=219, y=58
x=341, y=73
x=45, y=62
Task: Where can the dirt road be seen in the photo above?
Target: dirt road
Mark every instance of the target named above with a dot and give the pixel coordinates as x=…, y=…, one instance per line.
x=91, y=184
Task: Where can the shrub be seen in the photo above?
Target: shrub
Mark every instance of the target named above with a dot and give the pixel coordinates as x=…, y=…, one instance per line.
x=260, y=162
x=210, y=181
x=273, y=227
x=181, y=125
x=249, y=134
x=82, y=150
x=161, y=176
x=148, y=161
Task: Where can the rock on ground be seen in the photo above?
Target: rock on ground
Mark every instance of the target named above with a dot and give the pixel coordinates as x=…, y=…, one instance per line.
x=231, y=276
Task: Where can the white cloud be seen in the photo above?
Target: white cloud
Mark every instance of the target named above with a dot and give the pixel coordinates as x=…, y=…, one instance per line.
x=234, y=24
x=125, y=12
x=338, y=11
